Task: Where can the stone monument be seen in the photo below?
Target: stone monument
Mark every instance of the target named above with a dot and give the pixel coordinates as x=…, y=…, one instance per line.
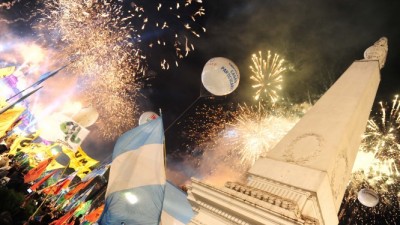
x=302, y=180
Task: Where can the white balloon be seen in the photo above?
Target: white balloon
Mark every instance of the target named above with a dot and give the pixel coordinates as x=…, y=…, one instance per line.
x=220, y=76
x=86, y=116
x=368, y=197
x=147, y=116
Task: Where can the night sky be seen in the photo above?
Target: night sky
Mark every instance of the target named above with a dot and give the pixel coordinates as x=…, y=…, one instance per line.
x=320, y=39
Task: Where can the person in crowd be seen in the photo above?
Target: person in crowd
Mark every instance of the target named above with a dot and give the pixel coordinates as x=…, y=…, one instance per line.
x=3, y=148
x=77, y=220
x=6, y=218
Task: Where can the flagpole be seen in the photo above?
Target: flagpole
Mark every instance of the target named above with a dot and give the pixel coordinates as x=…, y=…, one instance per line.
x=44, y=200
x=50, y=74
x=100, y=194
x=190, y=106
x=203, y=93
x=2, y=110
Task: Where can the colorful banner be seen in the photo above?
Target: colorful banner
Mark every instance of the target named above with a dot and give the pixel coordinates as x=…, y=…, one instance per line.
x=6, y=71
x=54, y=165
x=77, y=188
x=83, y=208
x=3, y=102
x=94, y=215
x=56, y=188
x=41, y=181
x=35, y=173
x=21, y=142
x=8, y=119
x=64, y=219
x=80, y=161
x=63, y=130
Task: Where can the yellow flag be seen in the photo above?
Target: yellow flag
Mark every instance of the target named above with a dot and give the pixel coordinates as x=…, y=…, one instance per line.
x=80, y=159
x=8, y=118
x=54, y=165
x=3, y=102
x=37, y=152
x=6, y=71
x=82, y=172
x=21, y=142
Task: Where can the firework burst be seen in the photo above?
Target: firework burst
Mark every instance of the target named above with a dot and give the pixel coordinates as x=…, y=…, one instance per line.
x=254, y=130
x=167, y=26
x=382, y=135
x=376, y=168
x=267, y=75
x=235, y=136
x=101, y=39
x=96, y=34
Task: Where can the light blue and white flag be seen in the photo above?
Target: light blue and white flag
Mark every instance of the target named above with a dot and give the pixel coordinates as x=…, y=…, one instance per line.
x=135, y=190
x=176, y=209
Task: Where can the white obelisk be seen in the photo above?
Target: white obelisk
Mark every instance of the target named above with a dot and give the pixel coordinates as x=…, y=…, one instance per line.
x=302, y=180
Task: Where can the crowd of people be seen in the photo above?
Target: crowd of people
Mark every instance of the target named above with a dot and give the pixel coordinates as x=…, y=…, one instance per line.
x=19, y=206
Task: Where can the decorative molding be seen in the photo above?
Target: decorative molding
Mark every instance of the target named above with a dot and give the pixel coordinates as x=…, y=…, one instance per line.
x=338, y=181
x=196, y=221
x=229, y=217
x=310, y=221
x=299, y=196
x=276, y=200
x=246, y=196
x=292, y=153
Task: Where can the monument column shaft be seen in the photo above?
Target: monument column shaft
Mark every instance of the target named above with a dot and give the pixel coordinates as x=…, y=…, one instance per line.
x=327, y=138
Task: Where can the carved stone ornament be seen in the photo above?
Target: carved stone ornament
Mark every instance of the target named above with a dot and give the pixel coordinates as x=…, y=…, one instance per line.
x=378, y=51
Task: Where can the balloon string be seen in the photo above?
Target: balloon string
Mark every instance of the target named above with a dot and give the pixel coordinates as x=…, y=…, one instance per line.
x=190, y=106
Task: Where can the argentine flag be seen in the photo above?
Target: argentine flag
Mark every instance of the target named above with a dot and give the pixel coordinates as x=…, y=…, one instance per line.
x=176, y=209
x=136, y=184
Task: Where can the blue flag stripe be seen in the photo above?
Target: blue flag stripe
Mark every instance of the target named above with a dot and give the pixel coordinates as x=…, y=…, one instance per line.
x=134, y=206
x=176, y=204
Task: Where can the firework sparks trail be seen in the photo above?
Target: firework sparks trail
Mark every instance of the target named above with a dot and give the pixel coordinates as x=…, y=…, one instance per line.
x=267, y=75
x=168, y=26
x=13, y=17
x=235, y=136
x=254, y=130
x=100, y=37
x=8, y=5
x=376, y=168
x=97, y=35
